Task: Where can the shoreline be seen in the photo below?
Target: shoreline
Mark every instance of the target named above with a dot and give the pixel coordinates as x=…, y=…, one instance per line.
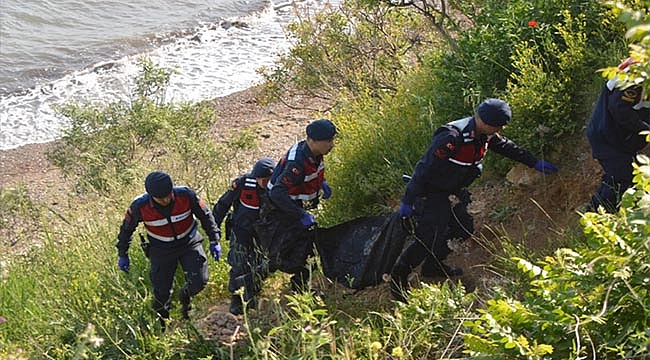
x=276, y=127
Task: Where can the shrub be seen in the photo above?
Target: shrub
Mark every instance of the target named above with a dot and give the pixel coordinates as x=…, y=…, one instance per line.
x=591, y=301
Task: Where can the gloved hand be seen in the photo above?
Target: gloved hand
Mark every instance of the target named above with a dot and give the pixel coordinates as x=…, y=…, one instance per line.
x=123, y=263
x=327, y=190
x=405, y=210
x=307, y=220
x=215, y=250
x=545, y=167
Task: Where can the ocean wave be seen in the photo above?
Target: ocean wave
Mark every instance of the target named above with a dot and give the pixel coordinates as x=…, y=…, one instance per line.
x=212, y=60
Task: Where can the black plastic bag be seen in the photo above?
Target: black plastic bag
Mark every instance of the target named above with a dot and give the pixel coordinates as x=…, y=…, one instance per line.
x=359, y=252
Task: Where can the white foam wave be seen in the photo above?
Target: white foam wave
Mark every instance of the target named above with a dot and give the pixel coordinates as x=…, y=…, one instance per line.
x=214, y=62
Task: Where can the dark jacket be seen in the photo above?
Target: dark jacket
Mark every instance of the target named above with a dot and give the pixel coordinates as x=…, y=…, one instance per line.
x=171, y=226
x=297, y=178
x=244, y=196
x=454, y=159
x=617, y=119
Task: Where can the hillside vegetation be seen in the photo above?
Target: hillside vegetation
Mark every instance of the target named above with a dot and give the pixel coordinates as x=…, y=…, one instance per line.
x=546, y=283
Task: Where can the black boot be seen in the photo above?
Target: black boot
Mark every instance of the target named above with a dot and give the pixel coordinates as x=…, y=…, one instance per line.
x=185, y=300
x=399, y=284
x=440, y=269
x=236, y=306
x=433, y=267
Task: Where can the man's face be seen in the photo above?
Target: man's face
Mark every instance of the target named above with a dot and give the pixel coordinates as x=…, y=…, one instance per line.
x=321, y=147
x=164, y=201
x=262, y=181
x=485, y=129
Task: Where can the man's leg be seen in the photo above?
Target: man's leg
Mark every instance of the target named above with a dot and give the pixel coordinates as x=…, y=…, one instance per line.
x=461, y=226
x=431, y=229
x=240, y=271
x=163, y=268
x=195, y=268
x=616, y=180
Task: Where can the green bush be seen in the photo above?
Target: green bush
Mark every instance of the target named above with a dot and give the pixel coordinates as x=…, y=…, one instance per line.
x=591, y=301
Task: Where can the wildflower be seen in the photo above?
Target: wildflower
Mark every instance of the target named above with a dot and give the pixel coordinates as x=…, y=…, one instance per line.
x=3, y=319
x=375, y=346
x=307, y=328
x=397, y=352
x=95, y=341
x=532, y=23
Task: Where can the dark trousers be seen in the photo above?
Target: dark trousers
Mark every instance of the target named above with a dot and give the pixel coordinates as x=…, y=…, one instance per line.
x=616, y=180
x=163, y=269
x=433, y=217
x=287, y=244
x=248, y=267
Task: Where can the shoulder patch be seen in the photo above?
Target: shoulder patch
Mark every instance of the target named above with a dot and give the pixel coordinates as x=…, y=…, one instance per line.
x=127, y=216
x=445, y=150
x=630, y=95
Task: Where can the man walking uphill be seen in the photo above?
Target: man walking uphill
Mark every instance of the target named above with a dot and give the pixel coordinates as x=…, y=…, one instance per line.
x=295, y=187
x=245, y=257
x=168, y=213
x=614, y=134
x=452, y=162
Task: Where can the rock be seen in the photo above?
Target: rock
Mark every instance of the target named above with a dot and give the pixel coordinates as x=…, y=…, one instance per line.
x=521, y=175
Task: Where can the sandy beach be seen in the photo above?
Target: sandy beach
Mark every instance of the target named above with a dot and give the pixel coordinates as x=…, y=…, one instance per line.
x=276, y=125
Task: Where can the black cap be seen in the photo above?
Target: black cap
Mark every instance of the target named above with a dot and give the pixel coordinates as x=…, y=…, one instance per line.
x=263, y=168
x=494, y=112
x=158, y=184
x=321, y=129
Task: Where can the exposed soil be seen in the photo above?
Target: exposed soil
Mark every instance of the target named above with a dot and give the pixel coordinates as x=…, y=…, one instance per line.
x=534, y=213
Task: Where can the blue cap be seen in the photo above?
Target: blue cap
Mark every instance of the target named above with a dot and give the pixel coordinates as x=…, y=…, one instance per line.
x=263, y=168
x=494, y=112
x=158, y=184
x=321, y=129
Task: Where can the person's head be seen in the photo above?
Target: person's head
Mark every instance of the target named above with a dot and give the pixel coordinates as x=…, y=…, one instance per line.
x=492, y=115
x=320, y=136
x=159, y=185
x=262, y=171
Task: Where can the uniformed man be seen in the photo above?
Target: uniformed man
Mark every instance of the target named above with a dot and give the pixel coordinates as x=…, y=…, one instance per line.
x=248, y=268
x=168, y=213
x=451, y=163
x=614, y=134
x=295, y=187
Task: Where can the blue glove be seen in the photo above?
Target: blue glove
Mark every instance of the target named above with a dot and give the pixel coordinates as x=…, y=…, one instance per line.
x=405, y=210
x=545, y=167
x=123, y=263
x=327, y=190
x=307, y=220
x=215, y=250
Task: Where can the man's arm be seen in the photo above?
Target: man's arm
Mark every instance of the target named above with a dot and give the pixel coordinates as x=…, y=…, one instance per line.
x=203, y=213
x=506, y=147
x=226, y=201
x=129, y=224
x=445, y=143
x=621, y=107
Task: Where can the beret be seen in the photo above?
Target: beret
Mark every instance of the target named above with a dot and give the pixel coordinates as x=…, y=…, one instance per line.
x=321, y=129
x=158, y=184
x=494, y=112
x=263, y=167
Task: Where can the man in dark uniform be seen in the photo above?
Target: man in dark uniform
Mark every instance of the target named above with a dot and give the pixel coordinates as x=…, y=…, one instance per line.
x=168, y=213
x=451, y=163
x=294, y=188
x=613, y=132
x=245, y=258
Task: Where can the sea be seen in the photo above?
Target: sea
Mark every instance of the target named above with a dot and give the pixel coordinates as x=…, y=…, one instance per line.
x=88, y=51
